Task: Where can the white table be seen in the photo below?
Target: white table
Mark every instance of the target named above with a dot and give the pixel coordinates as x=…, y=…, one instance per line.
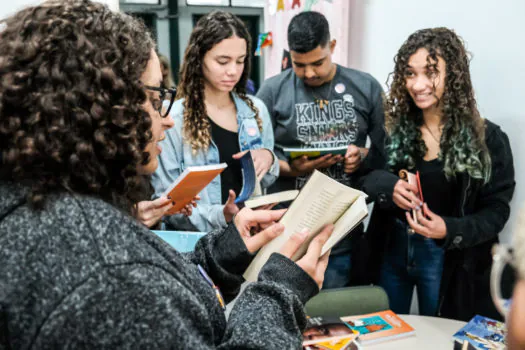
x=431, y=333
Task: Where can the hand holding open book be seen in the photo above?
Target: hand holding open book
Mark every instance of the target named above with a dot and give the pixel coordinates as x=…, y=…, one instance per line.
x=321, y=201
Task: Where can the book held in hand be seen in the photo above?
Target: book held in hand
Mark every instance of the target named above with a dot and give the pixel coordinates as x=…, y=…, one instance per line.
x=327, y=333
x=284, y=196
x=250, y=184
x=192, y=181
x=379, y=327
x=293, y=153
x=412, y=179
x=483, y=333
x=321, y=201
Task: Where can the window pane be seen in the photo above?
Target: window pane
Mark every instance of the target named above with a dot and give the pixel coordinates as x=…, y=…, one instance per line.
x=149, y=2
x=208, y=2
x=248, y=3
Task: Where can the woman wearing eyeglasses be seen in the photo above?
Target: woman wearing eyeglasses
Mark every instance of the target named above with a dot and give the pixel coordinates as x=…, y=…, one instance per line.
x=467, y=181
x=79, y=127
x=215, y=121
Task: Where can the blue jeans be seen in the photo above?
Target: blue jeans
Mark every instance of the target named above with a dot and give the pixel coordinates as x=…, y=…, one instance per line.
x=412, y=260
x=337, y=273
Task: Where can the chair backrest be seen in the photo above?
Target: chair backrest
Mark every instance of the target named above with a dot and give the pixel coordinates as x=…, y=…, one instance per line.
x=348, y=301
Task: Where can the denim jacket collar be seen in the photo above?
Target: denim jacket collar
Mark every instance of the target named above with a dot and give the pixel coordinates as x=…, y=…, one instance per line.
x=243, y=109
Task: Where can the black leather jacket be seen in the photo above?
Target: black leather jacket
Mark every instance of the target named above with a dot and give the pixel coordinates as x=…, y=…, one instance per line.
x=478, y=218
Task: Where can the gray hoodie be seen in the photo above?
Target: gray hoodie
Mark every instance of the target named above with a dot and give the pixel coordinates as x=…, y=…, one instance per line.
x=82, y=274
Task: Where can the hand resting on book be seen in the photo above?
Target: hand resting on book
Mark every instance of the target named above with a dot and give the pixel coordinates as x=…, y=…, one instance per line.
x=259, y=227
x=312, y=262
x=405, y=195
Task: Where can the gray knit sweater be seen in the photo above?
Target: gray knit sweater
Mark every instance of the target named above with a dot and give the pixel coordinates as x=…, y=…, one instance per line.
x=82, y=274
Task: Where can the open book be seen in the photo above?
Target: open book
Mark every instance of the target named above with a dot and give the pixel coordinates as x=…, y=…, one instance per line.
x=192, y=180
x=321, y=201
x=293, y=153
x=284, y=196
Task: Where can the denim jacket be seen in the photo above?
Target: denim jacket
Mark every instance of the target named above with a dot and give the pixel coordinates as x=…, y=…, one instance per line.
x=177, y=155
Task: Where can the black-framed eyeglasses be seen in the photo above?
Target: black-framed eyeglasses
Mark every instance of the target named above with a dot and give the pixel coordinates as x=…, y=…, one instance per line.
x=165, y=95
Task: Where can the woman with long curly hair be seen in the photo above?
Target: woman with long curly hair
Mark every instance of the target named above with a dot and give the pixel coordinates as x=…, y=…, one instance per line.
x=467, y=181
x=215, y=121
x=80, y=123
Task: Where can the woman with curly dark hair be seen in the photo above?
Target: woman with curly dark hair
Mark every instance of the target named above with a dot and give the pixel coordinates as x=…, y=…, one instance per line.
x=80, y=121
x=466, y=176
x=215, y=121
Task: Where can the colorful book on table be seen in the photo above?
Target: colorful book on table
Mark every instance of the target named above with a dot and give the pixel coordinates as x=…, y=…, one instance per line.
x=379, y=327
x=292, y=152
x=327, y=333
x=483, y=333
x=192, y=181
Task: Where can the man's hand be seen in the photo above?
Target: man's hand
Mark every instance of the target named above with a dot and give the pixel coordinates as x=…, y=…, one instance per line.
x=303, y=165
x=353, y=158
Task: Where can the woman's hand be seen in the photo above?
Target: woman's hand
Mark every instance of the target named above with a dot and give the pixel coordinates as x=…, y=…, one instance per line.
x=312, y=263
x=405, y=195
x=150, y=212
x=428, y=224
x=262, y=160
x=258, y=227
x=188, y=209
x=230, y=208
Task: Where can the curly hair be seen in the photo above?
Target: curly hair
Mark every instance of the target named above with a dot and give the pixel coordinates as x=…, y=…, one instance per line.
x=70, y=101
x=210, y=30
x=462, y=143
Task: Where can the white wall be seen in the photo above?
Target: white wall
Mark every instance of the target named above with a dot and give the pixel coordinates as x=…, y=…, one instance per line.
x=494, y=32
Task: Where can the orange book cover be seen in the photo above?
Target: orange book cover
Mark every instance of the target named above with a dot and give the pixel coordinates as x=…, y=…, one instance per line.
x=379, y=326
x=192, y=181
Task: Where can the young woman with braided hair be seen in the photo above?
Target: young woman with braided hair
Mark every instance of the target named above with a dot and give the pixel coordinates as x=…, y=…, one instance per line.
x=215, y=121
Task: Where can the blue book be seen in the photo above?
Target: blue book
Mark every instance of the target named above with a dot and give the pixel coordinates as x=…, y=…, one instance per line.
x=249, y=178
x=483, y=333
x=183, y=241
